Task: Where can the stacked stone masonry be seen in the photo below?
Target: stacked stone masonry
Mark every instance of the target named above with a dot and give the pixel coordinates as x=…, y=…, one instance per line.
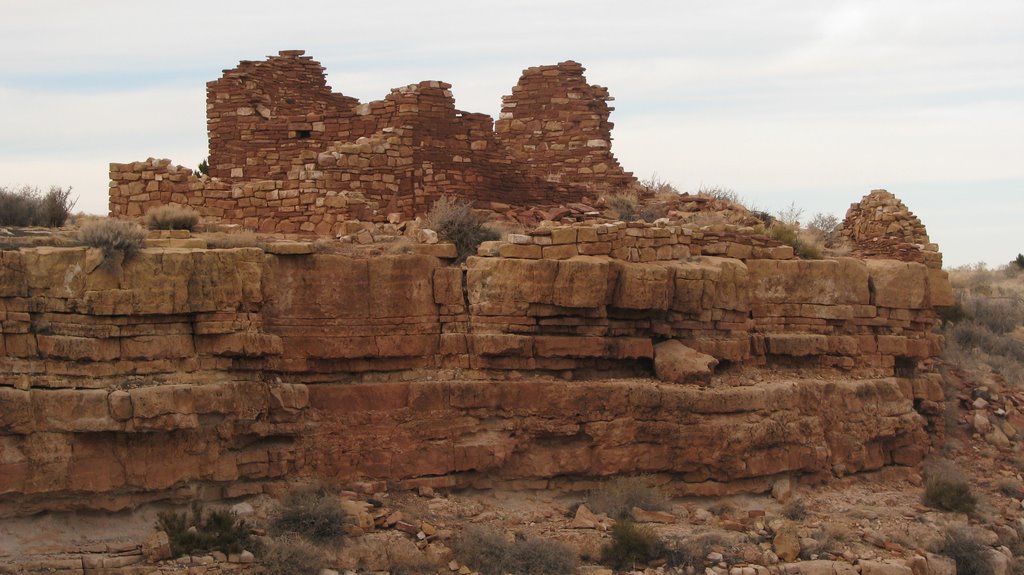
x=288, y=155
x=881, y=226
x=244, y=367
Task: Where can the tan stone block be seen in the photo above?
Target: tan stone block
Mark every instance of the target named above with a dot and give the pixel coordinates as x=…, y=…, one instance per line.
x=443, y=250
x=495, y=344
x=532, y=252
x=566, y=235
x=898, y=284
x=559, y=252
x=581, y=282
x=569, y=346
x=643, y=286
x=796, y=344
x=78, y=348
x=595, y=248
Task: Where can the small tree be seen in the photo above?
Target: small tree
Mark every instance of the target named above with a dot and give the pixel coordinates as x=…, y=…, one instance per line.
x=1019, y=261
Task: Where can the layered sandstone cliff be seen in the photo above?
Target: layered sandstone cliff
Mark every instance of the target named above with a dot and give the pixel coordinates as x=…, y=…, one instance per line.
x=212, y=372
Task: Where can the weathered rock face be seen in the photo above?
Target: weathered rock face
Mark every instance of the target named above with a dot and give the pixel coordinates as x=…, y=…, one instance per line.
x=225, y=369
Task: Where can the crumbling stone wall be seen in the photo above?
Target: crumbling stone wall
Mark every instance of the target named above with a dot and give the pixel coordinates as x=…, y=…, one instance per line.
x=881, y=226
x=275, y=126
x=557, y=125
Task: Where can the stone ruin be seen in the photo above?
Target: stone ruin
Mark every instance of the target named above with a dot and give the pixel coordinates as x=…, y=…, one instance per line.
x=187, y=372
x=880, y=226
x=288, y=155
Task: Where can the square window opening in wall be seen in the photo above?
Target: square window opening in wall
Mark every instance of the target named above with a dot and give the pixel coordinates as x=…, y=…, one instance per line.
x=303, y=134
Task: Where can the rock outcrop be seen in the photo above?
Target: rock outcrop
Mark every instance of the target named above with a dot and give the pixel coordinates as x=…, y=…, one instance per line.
x=187, y=370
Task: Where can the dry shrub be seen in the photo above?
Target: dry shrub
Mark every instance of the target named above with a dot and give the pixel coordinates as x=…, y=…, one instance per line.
x=657, y=185
x=617, y=497
x=222, y=241
x=113, y=236
x=795, y=509
x=491, y=553
x=28, y=206
x=171, y=218
x=719, y=193
x=313, y=512
x=970, y=555
x=290, y=555
x=401, y=246
x=626, y=205
x=1011, y=487
x=693, y=551
x=946, y=488
x=454, y=221
x=198, y=531
x=805, y=245
x=631, y=545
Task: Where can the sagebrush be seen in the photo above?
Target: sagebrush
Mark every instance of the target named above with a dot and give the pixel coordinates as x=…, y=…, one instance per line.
x=200, y=531
x=29, y=206
x=290, y=555
x=492, y=553
x=455, y=221
x=112, y=236
x=946, y=488
x=631, y=545
x=618, y=496
x=971, y=556
x=312, y=512
x=626, y=205
x=172, y=218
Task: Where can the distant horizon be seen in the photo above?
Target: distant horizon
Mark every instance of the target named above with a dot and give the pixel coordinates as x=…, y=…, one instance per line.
x=801, y=102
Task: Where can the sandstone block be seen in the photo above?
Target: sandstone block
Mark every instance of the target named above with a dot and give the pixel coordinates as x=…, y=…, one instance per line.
x=896, y=284
x=797, y=345
x=676, y=363
x=823, y=282
x=643, y=286
x=581, y=282
x=526, y=251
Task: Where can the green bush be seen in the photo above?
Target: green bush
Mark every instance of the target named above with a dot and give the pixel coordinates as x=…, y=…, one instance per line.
x=30, y=207
x=946, y=488
x=203, y=168
x=171, y=218
x=631, y=545
x=618, y=496
x=197, y=531
x=111, y=235
x=491, y=553
x=313, y=512
x=454, y=221
x=970, y=555
x=290, y=555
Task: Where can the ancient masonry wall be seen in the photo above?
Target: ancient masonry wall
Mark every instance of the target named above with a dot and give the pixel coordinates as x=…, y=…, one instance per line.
x=881, y=226
x=243, y=367
x=276, y=128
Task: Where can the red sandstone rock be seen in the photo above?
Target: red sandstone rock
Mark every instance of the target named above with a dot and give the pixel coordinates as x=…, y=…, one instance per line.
x=676, y=363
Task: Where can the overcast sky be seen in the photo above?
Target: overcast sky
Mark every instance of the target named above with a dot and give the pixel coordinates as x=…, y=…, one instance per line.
x=814, y=102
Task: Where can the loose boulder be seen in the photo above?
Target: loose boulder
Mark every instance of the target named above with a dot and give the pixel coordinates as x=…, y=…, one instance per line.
x=676, y=363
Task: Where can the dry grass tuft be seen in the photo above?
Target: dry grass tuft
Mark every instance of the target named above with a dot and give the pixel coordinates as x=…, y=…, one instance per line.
x=172, y=217
x=112, y=236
